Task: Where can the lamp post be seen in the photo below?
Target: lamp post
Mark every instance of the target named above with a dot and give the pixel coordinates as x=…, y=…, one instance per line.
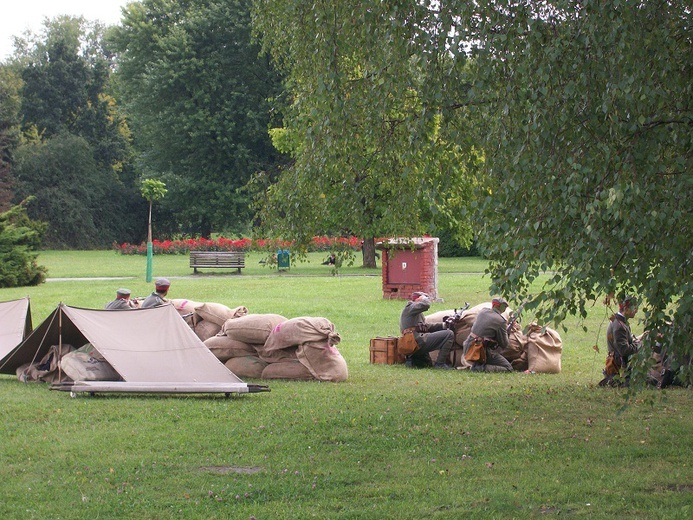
x=151, y=190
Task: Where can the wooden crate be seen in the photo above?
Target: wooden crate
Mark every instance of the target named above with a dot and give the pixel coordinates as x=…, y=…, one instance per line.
x=384, y=351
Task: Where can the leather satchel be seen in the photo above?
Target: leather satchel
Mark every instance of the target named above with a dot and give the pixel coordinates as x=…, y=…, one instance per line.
x=406, y=343
x=612, y=366
x=476, y=353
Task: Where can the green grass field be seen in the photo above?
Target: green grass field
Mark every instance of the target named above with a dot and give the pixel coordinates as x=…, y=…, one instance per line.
x=388, y=443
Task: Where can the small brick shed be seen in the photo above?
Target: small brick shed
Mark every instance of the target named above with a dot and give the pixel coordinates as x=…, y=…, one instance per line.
x=409, y=265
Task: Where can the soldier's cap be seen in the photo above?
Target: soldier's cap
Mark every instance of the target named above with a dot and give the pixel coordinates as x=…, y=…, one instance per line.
x=499, y=301
x=416, y=294
x=162, y=283
x=123, y=293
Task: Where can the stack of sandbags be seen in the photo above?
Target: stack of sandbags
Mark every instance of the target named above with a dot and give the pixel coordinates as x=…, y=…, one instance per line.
x=206, y=318
x=242, y=339
x=312, y=340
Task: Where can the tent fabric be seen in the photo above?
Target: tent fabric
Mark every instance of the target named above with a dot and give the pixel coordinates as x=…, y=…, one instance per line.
x=143, y=345
x=15, y=325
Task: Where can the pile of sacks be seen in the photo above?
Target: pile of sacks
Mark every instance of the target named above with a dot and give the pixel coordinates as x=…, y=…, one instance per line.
x=539, y=350
x=267, y=346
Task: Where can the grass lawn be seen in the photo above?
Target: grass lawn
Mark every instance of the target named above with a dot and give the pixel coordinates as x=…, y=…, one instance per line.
x=387, y=443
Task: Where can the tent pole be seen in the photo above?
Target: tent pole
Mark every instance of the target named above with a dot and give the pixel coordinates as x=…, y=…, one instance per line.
x=60, y=341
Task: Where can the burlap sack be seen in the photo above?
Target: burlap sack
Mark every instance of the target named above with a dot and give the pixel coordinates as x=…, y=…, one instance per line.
x=218, y=313
x=225, y=348
x=323, y=360
x=80, y=366
x=517, y=345
x=206, y=329
x=544, y=351
x=47, y=369
x=252, y=328
x=438, y=317
x=276, y=356
x=184, y=306
x=294, y=370
x=246, y=366
x=301, y=330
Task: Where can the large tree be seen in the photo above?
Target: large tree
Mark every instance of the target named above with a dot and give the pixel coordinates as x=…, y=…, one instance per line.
x=380, y=145
x=197, y=92
x=591, y=151
x=582, y=111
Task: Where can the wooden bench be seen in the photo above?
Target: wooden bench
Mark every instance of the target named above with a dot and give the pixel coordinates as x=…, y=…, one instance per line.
x=219, y=259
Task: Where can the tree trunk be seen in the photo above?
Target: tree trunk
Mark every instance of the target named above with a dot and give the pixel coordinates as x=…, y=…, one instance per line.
x=368, y=251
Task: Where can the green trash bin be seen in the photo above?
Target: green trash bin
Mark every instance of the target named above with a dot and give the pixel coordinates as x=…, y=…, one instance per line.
x=283, y=259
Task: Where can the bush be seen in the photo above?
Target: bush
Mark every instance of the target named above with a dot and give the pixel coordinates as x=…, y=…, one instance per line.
x=19, y=241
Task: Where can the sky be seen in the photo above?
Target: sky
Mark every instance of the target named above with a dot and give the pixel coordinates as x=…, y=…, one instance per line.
x=16, y=16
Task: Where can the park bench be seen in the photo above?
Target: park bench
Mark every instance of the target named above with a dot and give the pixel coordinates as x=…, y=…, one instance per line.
x=217, y=259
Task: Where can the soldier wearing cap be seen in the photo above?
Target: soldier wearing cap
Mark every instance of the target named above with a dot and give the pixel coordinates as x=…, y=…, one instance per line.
x=122, y=301
x=158, y=297
x=620, y=342
x=491, y=327
x=429, y=336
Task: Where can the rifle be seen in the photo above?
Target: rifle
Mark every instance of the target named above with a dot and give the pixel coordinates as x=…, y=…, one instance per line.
x=451, y=321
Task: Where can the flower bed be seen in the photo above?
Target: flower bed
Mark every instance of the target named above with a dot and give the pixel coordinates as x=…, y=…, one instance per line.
x=182, y=247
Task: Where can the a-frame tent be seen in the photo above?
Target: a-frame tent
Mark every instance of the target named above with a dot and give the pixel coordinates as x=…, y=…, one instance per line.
x=15, y=324
x=153, y=350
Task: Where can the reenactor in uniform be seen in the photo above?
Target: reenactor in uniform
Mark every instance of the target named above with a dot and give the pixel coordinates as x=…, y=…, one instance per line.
x=122, y=301
x=621, y=343
x=429, y=336
x=158, y=297
x=491, y=329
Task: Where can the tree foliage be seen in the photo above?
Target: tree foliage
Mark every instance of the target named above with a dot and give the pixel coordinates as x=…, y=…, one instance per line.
x=20, y=238
x=10, y=86
x=198, y=96
x=75, y=156
x=380, y=143
x=580, y=110
x=591, y=152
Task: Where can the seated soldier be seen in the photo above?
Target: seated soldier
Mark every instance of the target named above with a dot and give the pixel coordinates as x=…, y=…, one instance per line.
x=158, y=297
x=621, y=344
x=491, y=329
x=122, y=301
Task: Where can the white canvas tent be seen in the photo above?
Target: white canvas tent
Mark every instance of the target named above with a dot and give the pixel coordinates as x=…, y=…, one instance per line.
x=153, y=350
x=15, y=324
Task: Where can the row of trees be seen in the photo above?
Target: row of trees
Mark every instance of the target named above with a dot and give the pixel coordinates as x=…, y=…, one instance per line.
x=176, y=92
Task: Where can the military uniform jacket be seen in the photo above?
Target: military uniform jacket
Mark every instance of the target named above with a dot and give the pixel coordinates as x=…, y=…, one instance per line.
x=490, y=324
x=117, y=304
x=412, y=317
x=619, y=339
x=153, y=300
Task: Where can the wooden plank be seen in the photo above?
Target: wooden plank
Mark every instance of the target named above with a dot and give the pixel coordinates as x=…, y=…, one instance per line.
x=157, y=387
